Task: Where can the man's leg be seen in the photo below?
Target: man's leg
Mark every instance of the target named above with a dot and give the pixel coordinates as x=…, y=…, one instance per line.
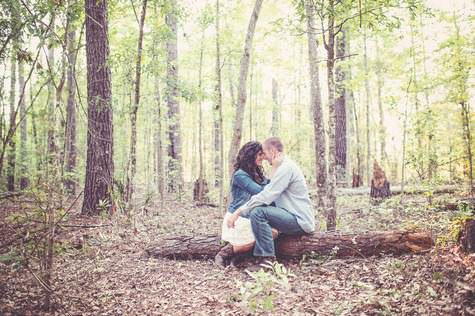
x=263, y=219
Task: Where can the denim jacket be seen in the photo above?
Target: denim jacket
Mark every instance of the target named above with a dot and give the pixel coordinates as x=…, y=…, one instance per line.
x=243, y=187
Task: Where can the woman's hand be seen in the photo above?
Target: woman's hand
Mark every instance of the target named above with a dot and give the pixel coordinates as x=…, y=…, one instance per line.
x=232, y=219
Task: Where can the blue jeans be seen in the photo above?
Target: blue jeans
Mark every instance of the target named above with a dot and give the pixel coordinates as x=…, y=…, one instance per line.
x=263, y=219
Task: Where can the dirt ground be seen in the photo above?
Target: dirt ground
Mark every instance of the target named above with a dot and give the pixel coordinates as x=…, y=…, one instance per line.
x=101, y=269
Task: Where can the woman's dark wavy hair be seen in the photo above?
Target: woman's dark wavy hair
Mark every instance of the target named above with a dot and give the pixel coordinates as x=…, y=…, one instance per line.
x=246, y=160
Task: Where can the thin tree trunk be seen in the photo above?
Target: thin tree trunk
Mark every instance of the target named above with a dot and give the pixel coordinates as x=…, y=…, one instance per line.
x=340, y=110
x=431, y=142
x=23, y=127
x=158, y=142
x=382, y=127
x=368, y=103
x=404, y=135
x=133, y=114
x=200, y=184
x=219, y=109
x=316, y=106
x=275, y=109
x=242, y=95
x=11, y=141
x=70, y=137
x=331, y=197
x=99, y=163
x=51, y=121
x=175, y=173
x=415, y=82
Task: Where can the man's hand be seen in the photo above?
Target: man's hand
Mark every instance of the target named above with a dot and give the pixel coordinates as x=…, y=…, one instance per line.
x=277, y=159
x=233, y=219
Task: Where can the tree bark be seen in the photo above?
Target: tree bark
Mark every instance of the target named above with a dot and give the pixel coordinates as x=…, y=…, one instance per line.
x=340, y=110
x=132, y=164
x=316, y=106
x=70, y=137
x=242, y=95
x=175, y=173
x=99, y=162
x=339, y=245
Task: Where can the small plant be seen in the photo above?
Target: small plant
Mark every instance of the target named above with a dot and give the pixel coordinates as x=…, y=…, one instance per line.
x=259, y=293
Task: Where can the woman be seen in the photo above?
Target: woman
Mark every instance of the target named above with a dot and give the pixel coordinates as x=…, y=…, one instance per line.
x=248, y=179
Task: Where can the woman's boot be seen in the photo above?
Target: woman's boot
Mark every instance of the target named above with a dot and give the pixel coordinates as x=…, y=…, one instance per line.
x=223, y=255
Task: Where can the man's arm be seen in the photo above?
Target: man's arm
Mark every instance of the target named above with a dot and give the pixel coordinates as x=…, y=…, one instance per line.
x=280, y=182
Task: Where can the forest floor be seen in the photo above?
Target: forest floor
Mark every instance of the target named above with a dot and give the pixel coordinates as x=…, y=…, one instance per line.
x=102, y=270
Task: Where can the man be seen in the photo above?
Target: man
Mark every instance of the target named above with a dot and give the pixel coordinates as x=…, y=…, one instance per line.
x=292, y=214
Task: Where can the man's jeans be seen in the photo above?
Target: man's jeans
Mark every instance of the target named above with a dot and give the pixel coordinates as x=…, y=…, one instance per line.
x=263, y=219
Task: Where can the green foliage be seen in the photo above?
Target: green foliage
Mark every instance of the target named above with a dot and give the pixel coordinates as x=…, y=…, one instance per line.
x=259, y=293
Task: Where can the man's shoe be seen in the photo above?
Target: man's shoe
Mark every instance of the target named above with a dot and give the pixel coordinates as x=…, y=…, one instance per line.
x=223, y=255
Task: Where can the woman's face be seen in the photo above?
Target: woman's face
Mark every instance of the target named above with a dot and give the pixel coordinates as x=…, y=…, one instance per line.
x=260, y=157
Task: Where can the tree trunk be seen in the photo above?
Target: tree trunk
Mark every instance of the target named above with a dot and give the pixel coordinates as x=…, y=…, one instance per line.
x=331, y=184
x=158, y=143
x=99, y=162
x=219, y=111
x=368, y=103
x=11, y=142
x=175, y=173
x=467, y=236
x=418, y=124
x=132, y=164
x=242, y=95
x=52, y=149
x=201, y=187
x=382, y=128
x=316, y=106
x=339, y=245
x=23, y=127
x=431, y=124
x=340, y=110
x=275, y=109
x=70, y=137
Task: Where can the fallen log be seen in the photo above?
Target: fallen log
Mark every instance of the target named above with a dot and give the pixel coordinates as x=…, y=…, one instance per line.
x=396, y=190
x=336, y=244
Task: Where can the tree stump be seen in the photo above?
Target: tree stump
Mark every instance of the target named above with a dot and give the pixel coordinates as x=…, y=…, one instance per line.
x=357, y=180
x=200, y=191
x=467, y=236
x=379, y=184
x=339, y=245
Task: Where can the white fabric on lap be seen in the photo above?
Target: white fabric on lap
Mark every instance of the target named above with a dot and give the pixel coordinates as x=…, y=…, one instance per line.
x=241, y=234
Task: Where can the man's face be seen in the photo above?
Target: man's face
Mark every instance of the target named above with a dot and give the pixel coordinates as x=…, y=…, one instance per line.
x=268, y=152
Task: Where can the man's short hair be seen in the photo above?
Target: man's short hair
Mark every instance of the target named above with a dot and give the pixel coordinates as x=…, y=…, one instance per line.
x=275, y=142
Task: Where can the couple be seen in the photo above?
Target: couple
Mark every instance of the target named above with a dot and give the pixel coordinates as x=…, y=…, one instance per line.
x=261, y=208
